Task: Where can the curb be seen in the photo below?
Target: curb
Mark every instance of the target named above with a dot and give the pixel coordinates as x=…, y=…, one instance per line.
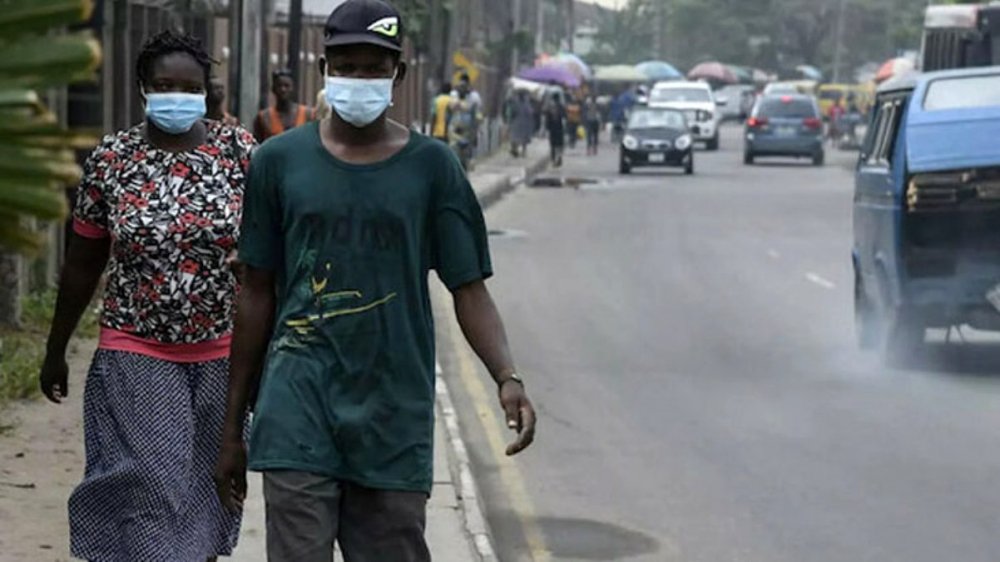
x=474, y=521
x=476, y=527
x=491, y=193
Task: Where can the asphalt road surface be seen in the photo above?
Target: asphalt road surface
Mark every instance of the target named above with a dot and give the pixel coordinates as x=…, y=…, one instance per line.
x=688, y=342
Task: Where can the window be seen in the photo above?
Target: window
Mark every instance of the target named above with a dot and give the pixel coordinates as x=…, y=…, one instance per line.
x=881, y=141
x=788, y=108
x=960, y=93
x=656, y=119
x=672, y=95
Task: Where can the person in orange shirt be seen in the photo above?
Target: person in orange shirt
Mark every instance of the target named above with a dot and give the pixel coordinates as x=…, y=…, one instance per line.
x=285, y=114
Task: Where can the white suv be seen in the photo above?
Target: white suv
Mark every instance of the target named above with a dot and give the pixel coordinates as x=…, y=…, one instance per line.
x=698, y=103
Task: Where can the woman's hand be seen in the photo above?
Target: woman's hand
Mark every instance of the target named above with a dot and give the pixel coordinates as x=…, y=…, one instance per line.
x=231, y=475
x=54, y=378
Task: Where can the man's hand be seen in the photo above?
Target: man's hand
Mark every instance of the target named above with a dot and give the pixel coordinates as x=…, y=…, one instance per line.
x=231, y=475
x=520, y=415
x=54, y=378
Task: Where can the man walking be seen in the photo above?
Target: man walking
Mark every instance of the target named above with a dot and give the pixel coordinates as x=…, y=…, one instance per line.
x=285, y=114
x=342, y=221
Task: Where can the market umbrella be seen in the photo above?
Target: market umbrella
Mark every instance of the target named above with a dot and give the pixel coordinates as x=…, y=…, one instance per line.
x=659, y=70
x=712, y=72
x=809, y=72
x=618, y=73
x=742, y=74
x=893, y=67
x=760, y=77
x=551, y=74
x=575, y=64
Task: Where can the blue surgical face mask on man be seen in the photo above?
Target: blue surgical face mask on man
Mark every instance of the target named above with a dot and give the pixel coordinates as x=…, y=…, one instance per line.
x=175, y=112
x=359, y=101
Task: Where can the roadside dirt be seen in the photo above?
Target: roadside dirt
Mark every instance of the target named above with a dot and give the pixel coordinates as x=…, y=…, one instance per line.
x=41, y=461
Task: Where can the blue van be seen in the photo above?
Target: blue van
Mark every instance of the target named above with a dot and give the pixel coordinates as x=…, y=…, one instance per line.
x=927, y=209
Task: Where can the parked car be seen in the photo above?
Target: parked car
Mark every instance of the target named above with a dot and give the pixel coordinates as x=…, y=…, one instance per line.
x=784, y=125
x=739, y=102
x=927, y=210
x=698, y=103
x=657, y=137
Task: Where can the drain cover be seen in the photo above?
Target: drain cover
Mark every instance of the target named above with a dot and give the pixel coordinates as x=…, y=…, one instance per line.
x=547, y=181
x=506, y=233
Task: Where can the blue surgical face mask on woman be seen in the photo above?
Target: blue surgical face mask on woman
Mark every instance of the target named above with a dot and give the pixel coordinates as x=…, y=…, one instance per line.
x=359, y=101
x=175, y=112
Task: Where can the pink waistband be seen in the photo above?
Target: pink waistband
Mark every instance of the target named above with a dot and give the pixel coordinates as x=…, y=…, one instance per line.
x=88, y=230
x=176, y=352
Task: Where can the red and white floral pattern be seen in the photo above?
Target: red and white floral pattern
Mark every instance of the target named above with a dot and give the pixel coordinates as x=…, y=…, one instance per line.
x=174, y=220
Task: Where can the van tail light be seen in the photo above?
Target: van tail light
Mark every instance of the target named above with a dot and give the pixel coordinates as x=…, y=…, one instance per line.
x=756, y=122
x=812, y=123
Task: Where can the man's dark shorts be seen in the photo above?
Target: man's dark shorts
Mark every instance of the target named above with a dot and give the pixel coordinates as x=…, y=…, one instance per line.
x=307, y=513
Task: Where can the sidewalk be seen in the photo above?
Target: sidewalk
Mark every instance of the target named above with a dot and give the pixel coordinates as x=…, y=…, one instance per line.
x=41, y=459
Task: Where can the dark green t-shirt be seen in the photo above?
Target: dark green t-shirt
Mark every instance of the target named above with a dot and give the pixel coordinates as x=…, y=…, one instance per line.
x=348, y=386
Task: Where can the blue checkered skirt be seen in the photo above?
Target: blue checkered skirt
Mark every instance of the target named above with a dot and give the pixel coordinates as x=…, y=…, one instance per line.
x=152, y=432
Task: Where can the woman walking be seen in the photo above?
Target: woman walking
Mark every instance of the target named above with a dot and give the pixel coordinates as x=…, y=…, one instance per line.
x=555, y=123
x=159, y=207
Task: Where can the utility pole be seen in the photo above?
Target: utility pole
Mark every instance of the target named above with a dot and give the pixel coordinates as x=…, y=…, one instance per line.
x=839, y=48
x=235, y=19
x=295, y=40
x=659, y=35
x=515, y=59
x=249, y=56
x=540, y=32
x=571, y=23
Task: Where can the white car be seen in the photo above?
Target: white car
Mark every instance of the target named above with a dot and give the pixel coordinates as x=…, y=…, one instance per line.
x=698, y=102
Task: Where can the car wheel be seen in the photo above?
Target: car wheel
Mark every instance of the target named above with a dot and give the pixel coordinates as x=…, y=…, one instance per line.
x=713, y=144
x=623, y=167
x=867, y=327
x=819, y=158
x=748, y=158
x=689, y=167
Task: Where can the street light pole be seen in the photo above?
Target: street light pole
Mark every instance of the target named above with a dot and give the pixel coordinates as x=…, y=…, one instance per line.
x=839, y=48
x=515, y=59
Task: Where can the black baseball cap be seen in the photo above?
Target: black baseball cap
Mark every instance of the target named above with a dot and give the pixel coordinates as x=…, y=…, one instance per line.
x=371, y=22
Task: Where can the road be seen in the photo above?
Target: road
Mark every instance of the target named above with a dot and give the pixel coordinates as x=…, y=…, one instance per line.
x=688, y=342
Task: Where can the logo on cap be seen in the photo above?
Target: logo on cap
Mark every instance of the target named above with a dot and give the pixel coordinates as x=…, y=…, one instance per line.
x=386, y=26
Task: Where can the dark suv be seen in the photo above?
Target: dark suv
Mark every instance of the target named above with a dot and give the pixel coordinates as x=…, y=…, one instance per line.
x=784, y=125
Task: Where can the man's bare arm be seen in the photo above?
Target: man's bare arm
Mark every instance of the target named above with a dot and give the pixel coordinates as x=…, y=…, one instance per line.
x=483, y=328
x=251, y=335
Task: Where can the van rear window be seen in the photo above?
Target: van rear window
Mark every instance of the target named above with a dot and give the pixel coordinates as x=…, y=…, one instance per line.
x=794, y=109
x=958, y=93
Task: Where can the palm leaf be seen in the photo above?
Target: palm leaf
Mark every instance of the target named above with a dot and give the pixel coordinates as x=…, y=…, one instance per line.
x=22, y=17
x=36, y=153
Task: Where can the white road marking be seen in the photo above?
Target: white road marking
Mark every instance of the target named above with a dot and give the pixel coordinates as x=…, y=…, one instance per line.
x=819, y=280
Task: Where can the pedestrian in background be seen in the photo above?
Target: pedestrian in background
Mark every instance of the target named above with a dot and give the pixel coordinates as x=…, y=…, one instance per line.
x=462, y=127
x=158, y=206
x=471, y=102
x=592, y=123
x=555, y=124
x=286, y=113
x=335, y=310
x=441, y=113
x=522, y=122
x=217, y=103
x=574, y=119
